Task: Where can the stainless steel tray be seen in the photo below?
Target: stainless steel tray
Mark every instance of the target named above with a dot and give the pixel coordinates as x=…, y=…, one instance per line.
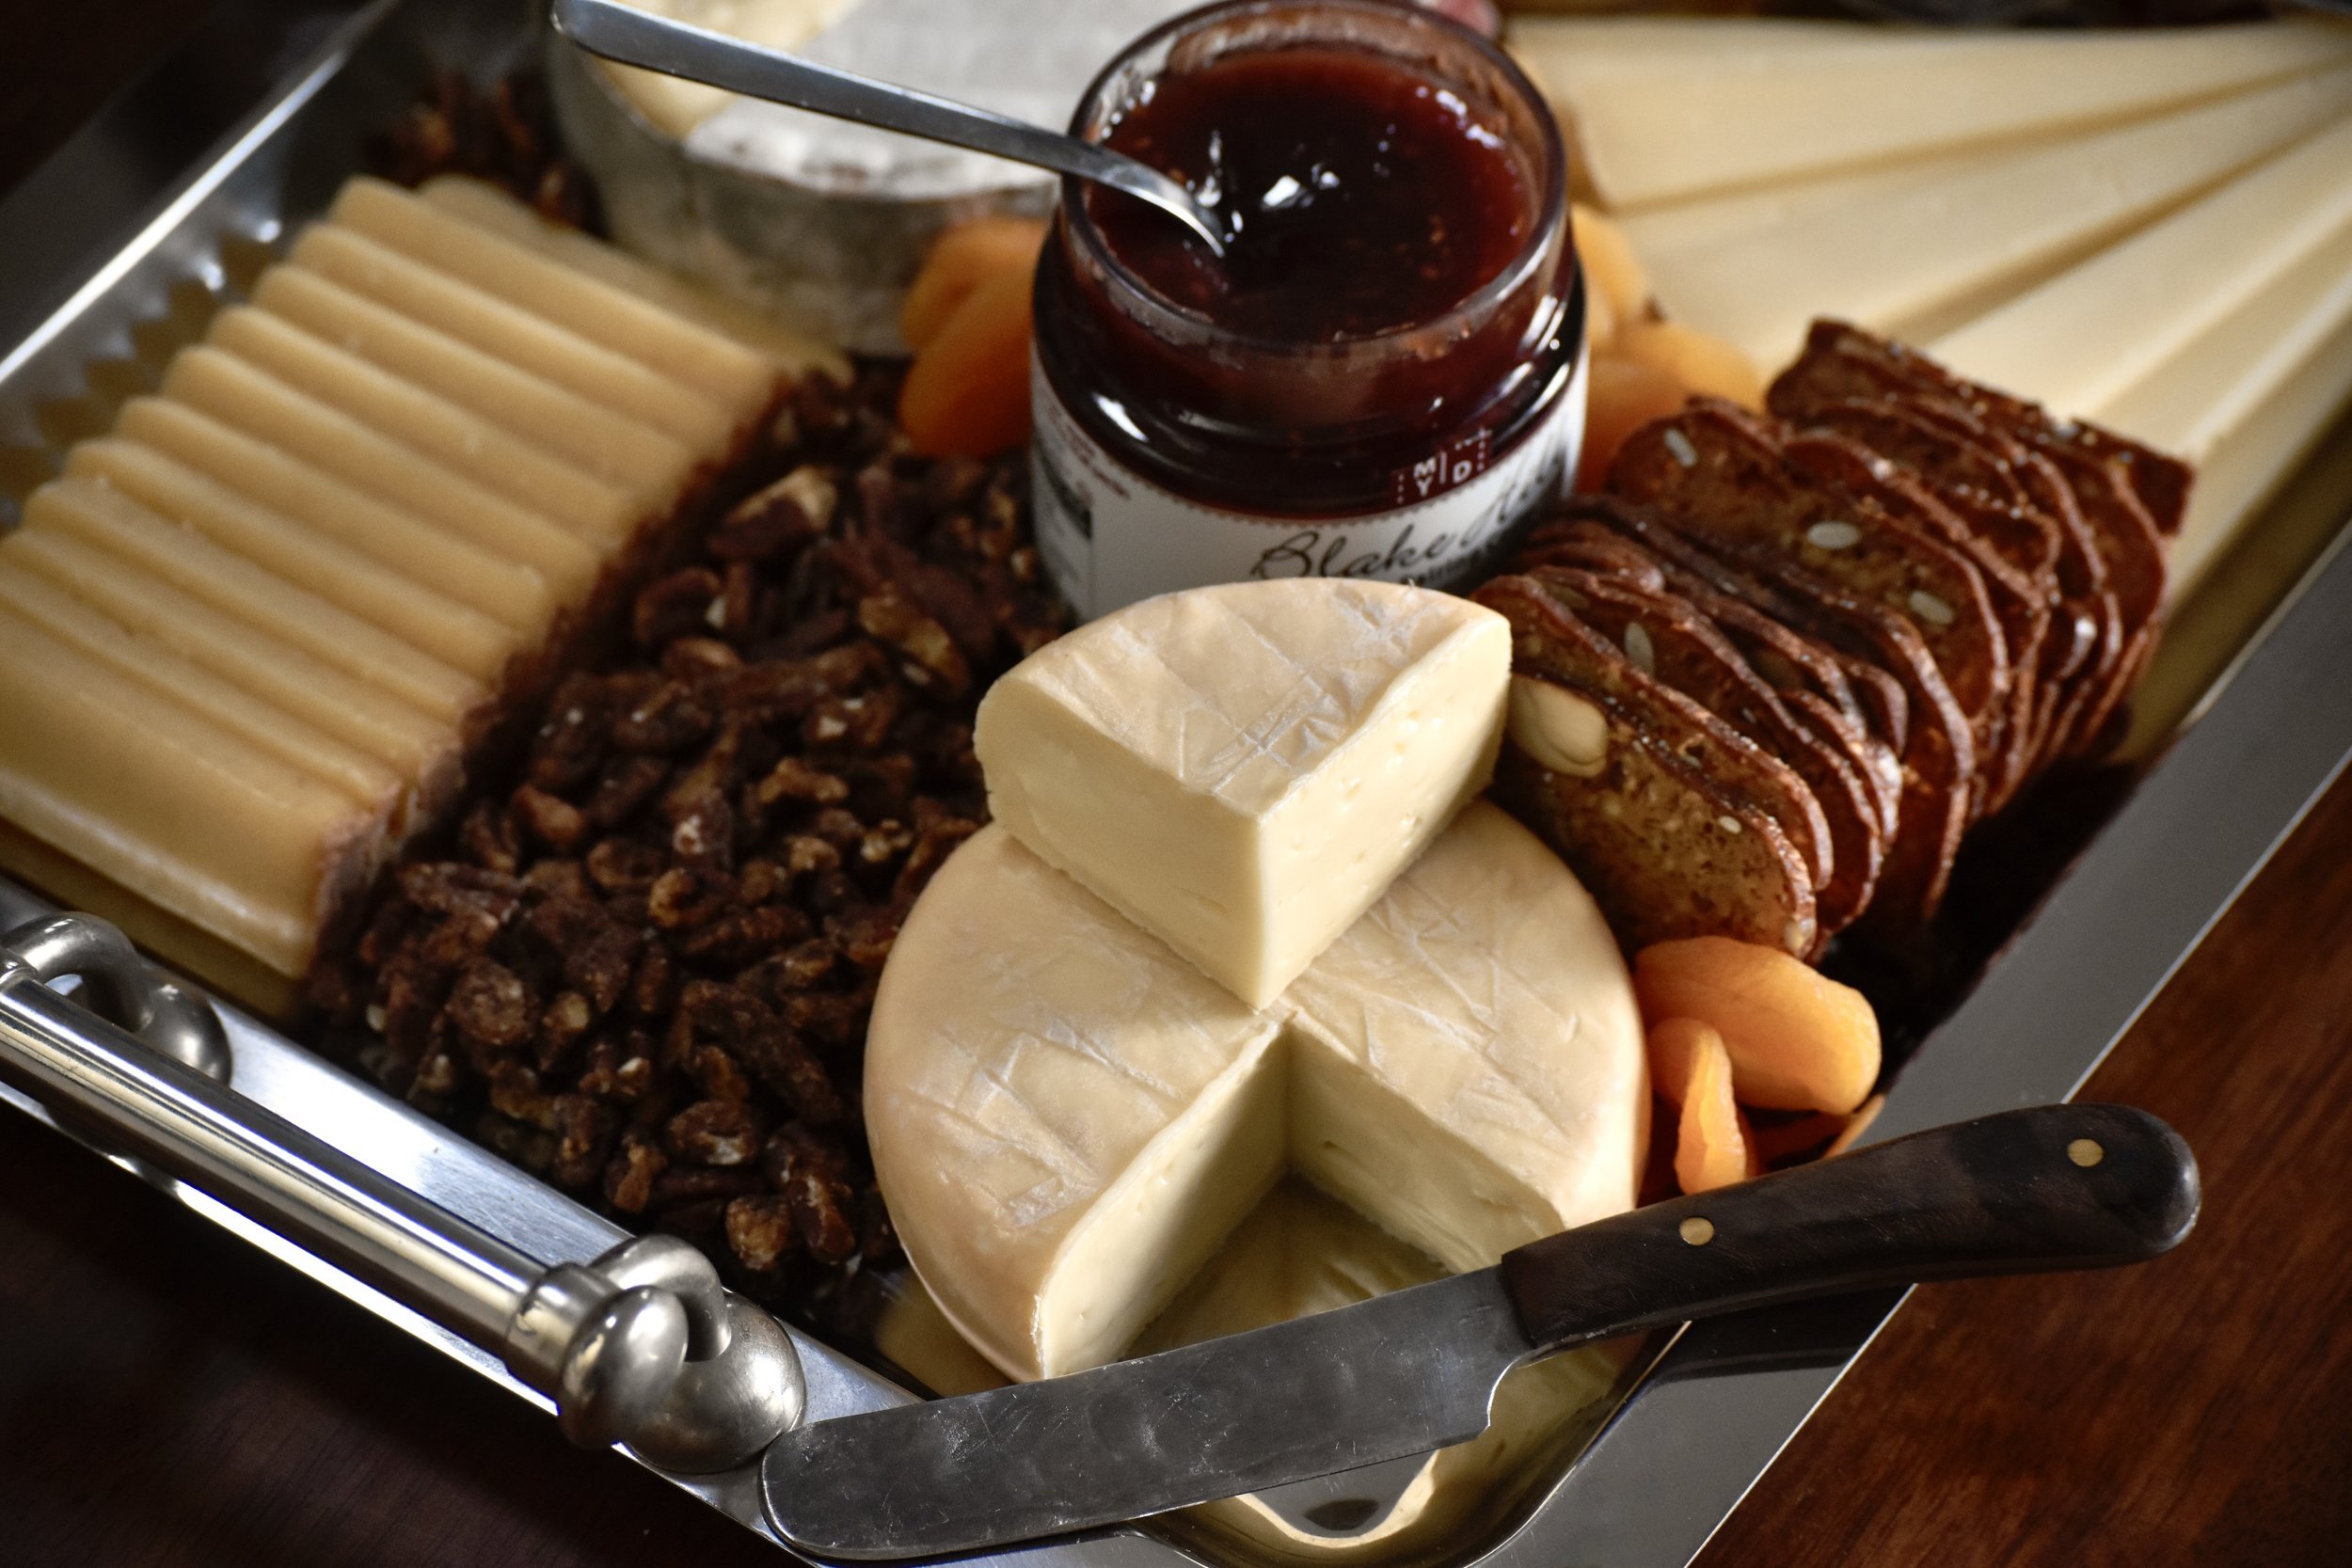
x=134, y=232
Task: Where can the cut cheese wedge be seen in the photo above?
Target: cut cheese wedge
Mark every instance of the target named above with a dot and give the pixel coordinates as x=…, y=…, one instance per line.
x=149, y=792
x=233, y=393
x=1885, y=263
x=738, y=376
x=1672, y=116
x=1707, y=222
x=513, y=336
x=635, y=458
x=1241, y=769
x=483, y=448
x=491, y=208
x=503, y=589
x=111, y=522
x=1068, y=1120
x=363, y=715
x=2088, y=336
x=463, y=639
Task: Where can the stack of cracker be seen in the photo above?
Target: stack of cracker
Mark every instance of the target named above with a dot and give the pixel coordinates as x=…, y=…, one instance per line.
x=1809, y=647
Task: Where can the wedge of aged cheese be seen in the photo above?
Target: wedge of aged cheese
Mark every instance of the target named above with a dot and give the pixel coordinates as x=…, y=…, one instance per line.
x=1704, y=222
x=481, y=447
x=418, y=746
x=229, y=392
x=461, y=638
x=491, y=208
x=2084, y=339
x=513, y=336
x=474, y=575
x=632, y=457
x=1671, y=115
x=738, y=375
x=151, y=792
x=112, y=522
x=1068, y=1120
x=1241, y=769
x=1887, y=262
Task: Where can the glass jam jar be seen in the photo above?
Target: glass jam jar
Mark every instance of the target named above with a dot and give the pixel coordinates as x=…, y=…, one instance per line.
x=1382, y=378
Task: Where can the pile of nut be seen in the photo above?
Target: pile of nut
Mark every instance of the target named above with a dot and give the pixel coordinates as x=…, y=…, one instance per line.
x=502, y=132
x=645, y=971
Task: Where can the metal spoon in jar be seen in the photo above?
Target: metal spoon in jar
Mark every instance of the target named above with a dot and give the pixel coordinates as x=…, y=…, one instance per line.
x=623, y=33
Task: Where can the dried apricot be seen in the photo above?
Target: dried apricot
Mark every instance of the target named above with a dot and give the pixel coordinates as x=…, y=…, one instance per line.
x=1712, y=1146
x=1798, y=1040
x=1700, y=363
x=967, y=393
x=1673, y=1042
x=1623, y=397
x=960, y=260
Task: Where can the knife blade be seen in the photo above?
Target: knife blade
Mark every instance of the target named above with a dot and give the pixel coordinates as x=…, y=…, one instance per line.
x=2052, y=1187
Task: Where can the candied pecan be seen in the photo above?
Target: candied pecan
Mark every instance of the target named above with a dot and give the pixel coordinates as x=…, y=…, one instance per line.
x=627, y=785
x=666, y=720
x=859, y=724
x=679, y=605
x=514, y=1092
x=955, y=604
x=863, y=939
x=804, y=853
x=880, y=786
x=618, y=1070
x=761, y=881
x=601, y=966
x=816, y=1195
x=702, y=832
x=490, y=837
x=885, y=841
x=585, y=1131
x=796, y=968
x=736, y=940
x=490, y=1006
x=681, y=898
x=446, y=887
x=653, y=989
x=761, y=1042
x=813, y=633
x=558, y=882
x=562, y=1026
x=571, y=743
x=833, y=1023
x=732, y=615
x=760, y=1230
x=551, y=819
x=934, y=661
x=691, y=657
x=623, y=865
x=880, y=501
x=793, y=779
x=714, y=1132
x=526, y=1145
x=718, y=1075
x=680, y=1185
x=629, y=1176
x=783, y=516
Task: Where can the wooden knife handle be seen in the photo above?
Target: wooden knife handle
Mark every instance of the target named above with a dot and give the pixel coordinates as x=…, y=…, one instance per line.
x=2053, y=1187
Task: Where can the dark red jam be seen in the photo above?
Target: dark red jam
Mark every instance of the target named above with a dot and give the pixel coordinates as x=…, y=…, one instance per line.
x=1357, y=195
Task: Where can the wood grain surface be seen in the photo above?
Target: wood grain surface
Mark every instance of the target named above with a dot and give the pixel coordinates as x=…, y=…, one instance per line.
x=168, y=1395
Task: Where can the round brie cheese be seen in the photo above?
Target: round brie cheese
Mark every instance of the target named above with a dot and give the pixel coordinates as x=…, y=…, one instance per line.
x=1068, y=1118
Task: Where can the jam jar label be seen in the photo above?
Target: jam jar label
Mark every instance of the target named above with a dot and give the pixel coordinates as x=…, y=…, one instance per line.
x=1110, y=537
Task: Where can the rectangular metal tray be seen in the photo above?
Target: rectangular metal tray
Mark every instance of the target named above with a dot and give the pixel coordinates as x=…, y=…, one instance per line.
x=123, y=244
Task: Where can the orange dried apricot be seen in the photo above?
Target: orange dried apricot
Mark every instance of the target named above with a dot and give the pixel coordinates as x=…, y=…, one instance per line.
x=1611, y=268
x=1623, y=397
x=1712, y=1145
x=1798, y=1040
x=1699, y=363
x=1673, y=1041
x=960, y=260
x=967, y=393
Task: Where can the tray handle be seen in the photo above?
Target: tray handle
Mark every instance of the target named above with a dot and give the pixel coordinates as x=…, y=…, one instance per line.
x=642, y=1346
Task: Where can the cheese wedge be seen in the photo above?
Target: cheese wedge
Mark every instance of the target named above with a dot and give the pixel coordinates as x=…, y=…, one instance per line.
x=1068, y=1120
x=463, y=639
x=366, y=716
x=229, y=392
x=480, y=448
x=1241, y=769
x=738, y=375
x=1702, y=111
x=108, y=521
x=1705, y=222
x=513, y=336
x=149, y=792
x=478, y=578
x=1885, y=263
x=487, y=207
x=2085, y=338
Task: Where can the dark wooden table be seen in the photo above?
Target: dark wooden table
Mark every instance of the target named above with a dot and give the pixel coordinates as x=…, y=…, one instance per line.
x=168, y=1395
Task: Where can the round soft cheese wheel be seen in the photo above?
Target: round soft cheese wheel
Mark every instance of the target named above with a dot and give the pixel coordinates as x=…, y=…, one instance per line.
x=1067, y=1119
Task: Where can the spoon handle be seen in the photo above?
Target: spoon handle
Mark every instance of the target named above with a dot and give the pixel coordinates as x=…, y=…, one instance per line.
x=632, y=37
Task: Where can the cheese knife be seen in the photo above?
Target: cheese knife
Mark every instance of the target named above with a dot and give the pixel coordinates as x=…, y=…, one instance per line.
x=2052, y=1187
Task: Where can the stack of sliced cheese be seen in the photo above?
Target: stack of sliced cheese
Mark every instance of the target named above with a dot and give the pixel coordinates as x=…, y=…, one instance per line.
x=1229, y=922
x=2151, y=229
x=249, y=636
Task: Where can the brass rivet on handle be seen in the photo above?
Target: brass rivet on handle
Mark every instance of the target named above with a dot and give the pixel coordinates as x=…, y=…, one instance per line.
x=1698, y=1230
x=2085, y=1152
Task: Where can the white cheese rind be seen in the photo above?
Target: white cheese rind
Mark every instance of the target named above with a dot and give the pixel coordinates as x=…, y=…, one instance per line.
x=1066, y=1119
x=1242, y=769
